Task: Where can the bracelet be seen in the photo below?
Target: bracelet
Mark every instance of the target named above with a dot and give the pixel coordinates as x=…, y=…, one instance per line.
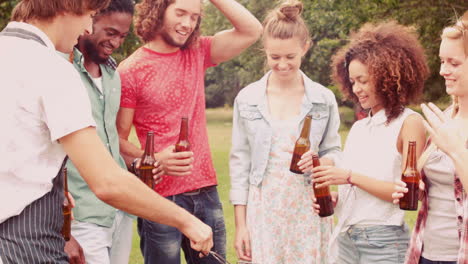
x=348, y=179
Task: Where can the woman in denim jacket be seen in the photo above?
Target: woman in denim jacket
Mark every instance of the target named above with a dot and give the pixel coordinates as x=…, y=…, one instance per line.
x=275, y=222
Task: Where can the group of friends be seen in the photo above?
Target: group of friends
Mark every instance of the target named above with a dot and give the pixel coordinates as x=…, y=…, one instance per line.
x=68, y=104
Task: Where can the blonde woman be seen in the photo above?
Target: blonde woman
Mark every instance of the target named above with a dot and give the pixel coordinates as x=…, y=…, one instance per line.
x=440, y=234
x=273, y=207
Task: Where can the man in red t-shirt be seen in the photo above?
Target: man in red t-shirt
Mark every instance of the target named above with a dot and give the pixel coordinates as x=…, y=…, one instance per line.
x=163, y=81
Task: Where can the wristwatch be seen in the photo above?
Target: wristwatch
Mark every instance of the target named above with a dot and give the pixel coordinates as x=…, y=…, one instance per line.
x=133, y=168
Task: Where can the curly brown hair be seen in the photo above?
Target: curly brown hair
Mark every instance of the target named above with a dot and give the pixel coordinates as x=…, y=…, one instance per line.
x=149, y=17
x=395, y=60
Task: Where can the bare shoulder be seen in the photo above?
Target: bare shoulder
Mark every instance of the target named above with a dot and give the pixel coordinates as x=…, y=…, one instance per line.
x=413, y=121
x=413, y=128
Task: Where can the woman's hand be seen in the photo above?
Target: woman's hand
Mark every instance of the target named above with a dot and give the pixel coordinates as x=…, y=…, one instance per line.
x=446, y=133
x=329, y=175
x=400, y=190
x=242, y=244
x=316, y=206
x=305, y=164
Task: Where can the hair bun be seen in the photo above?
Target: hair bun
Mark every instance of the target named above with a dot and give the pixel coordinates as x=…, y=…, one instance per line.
x=290, y=9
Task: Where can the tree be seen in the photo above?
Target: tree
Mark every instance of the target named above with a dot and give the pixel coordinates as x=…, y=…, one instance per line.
x=330, y=22
x=6, y=6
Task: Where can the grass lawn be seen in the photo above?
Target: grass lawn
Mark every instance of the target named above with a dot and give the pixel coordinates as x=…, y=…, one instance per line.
x=219, y=132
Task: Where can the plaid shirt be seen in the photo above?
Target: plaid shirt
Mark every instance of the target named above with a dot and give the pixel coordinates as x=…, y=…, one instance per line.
x=461, y=208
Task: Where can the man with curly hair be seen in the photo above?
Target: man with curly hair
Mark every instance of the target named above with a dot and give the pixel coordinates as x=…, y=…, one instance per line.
x=164, y=81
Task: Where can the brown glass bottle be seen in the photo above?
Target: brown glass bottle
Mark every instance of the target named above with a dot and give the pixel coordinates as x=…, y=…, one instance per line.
x=147, y=161
x=410, y=176
x=66, y=208
x=322, y=194
x=183, y=143
x=302, y=146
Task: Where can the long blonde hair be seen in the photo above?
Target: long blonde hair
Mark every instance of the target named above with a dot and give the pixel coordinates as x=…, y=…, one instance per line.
x=457, y=31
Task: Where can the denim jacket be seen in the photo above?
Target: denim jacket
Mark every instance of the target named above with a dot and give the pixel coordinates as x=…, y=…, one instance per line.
x=251, y=132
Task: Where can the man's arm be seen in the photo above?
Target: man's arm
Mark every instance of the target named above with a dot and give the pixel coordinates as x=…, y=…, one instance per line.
x=174, y=164
x=124, y=124
x=122, y=190
x=229, y=43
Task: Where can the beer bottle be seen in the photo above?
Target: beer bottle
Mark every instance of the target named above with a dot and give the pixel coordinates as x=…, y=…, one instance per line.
x=183, y=143
x=147, y=161
x=66, y=208
x=410, y=176
x=302, y=146
x=322, y=194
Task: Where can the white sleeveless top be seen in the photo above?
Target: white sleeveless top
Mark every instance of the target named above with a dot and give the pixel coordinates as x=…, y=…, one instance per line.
x=371, y=150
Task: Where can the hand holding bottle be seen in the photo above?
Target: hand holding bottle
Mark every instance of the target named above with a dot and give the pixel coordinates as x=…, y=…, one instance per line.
x=305, y=164
x=157, y=170
x=326, y=175
x=316, y=206
x=400, y=190
x=175, y=163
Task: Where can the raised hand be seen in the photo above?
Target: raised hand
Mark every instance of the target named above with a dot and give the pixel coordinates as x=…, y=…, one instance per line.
x=446, y=133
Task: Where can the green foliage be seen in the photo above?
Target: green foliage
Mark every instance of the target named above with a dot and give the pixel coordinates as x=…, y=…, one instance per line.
x=6, y=6
x=329, y=22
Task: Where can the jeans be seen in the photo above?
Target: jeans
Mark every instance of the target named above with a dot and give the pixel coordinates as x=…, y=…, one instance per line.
x=426, y=261
x=105, y=245
x=161, y=243
x=373, y=244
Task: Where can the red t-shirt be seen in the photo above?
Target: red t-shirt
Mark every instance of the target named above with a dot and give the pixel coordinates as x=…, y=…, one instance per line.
x=162, y=88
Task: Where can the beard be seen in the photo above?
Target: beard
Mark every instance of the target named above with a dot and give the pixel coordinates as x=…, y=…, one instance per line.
x=170, y=41
x=93, y=52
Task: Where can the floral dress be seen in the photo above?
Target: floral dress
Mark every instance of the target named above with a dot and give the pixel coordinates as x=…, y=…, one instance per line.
x=283, y=226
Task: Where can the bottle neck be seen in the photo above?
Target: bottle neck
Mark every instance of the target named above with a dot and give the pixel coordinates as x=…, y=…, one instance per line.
x=411, y=158
x=183, y=129
x=306, y=127
x=315, y=161
x=149, y=148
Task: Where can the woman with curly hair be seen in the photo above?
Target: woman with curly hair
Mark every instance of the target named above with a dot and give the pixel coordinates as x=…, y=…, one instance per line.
x=440, y=234
x=383, y=69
